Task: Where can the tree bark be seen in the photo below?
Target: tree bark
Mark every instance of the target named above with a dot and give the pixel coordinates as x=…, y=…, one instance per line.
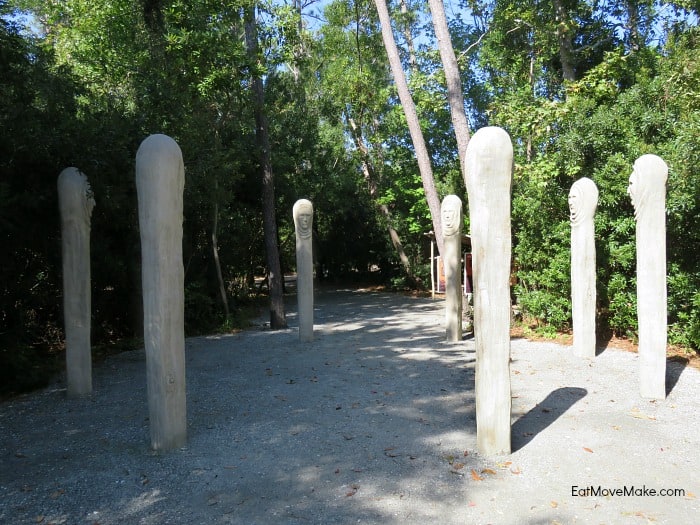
x=633, y=21
x=371, y=178
x=453, y=80
x=275, y=278
x=409, y=108
x=217, y=262
x=565, y=41
x=408, y=35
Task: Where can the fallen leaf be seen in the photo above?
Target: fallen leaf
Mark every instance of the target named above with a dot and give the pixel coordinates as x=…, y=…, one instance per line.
x=458, y=466
x=475, y=476
x=489, y=471
x=516, y=470
x=588, y=450
x=353, y=491
x=689, y=495
x=472, y=504
x=553, y=504
x=616, y=427
x=505, y=464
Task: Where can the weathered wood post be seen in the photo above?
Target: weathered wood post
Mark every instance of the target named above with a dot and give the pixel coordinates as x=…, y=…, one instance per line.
x=75, y=201
x=303, y=213
x=160, y=180
x=451, y=214
x=583, y=201
x=489, y=162
x=647, y=189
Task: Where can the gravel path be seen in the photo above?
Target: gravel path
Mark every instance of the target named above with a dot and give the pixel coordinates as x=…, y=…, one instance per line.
x=373, y=422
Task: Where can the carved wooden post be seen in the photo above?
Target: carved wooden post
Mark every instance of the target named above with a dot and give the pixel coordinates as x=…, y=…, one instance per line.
x=303, y=213
x=451, y=213
x=76, y=202
x=647, y=189
x=583, y=201
x=489, y=162
x=160, y=179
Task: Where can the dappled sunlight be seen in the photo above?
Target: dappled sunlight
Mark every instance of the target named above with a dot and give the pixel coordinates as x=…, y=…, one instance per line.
x=373, y=421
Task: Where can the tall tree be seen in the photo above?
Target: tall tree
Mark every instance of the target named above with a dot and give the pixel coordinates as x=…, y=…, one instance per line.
x=409, y=107
x=275, y=277
x=453, y=80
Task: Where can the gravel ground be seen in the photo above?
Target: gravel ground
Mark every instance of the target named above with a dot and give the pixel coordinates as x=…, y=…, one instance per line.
x=373, y=422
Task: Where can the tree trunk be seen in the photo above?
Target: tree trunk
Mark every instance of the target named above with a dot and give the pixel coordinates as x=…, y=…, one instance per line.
x=275, y=278
x=633, y=21
x=217, y=262
x=453, y=80
x=408, y=35
x=409, y=108
x=564, y=38
x=371, y=178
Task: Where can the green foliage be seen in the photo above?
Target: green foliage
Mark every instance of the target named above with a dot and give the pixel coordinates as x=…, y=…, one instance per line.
x=97, y=77
x=624, y=105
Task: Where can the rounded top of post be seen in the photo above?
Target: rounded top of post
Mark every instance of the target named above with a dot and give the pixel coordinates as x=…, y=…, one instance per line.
x=451, y=215
x=303, y=212
x=158, y=147
x=583, y=200
x=489, y=155
x=490, y=140
x=648, y=179
x=74, y=192
x=158, y=140
x=492, y=134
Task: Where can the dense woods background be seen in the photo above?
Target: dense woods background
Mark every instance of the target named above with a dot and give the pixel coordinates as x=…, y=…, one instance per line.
x=583, y=88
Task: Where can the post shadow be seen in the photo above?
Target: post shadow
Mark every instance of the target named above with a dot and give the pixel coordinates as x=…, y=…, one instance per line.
x=674, y=369
x=544, y=414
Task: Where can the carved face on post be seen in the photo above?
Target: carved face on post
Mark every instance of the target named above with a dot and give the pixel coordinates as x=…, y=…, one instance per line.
x=632, y=189
x=303, y=213
x=451, y=213
x=647, y=182
x=583, y=200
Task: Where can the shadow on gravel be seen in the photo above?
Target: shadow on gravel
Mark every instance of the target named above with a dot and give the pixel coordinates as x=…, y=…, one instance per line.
x=544, y=414
x=674, y=369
